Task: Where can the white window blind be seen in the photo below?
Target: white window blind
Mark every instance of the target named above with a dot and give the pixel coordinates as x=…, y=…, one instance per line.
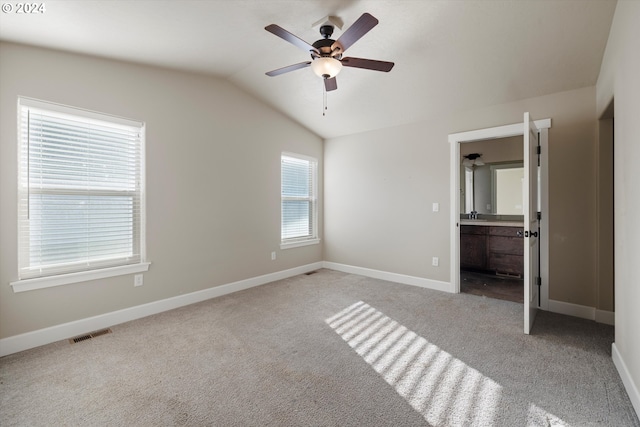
x=81, y=204
x=299, y=198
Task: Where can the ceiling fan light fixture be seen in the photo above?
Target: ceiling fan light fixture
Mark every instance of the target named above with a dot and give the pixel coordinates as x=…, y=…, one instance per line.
x=326, y=67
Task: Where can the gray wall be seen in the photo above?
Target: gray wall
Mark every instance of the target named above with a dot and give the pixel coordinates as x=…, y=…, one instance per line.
x=380, y=186
x=619, y=79
x=213, y=181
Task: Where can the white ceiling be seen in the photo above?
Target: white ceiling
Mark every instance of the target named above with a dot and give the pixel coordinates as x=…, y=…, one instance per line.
x=449, y=55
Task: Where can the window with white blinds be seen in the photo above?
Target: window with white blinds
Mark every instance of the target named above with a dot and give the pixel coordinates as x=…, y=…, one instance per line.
x=299, y=200
x=81, y=190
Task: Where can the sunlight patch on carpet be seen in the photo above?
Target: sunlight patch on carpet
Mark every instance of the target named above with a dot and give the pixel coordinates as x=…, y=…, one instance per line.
x=539, y=417
x=443, y=389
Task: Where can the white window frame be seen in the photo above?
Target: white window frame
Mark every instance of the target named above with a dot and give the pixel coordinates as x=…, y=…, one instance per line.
x=312, y=238
x=27, y=282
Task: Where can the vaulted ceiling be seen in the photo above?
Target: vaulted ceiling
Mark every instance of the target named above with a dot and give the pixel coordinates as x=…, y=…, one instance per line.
x=449, y=55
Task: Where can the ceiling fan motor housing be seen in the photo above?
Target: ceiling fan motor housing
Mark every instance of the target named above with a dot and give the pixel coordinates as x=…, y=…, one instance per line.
x=324, y=47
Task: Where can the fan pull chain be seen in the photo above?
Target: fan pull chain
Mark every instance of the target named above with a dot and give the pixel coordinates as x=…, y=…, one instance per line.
x=324, y=99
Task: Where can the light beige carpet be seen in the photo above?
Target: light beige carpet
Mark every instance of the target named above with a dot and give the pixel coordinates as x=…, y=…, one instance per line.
x=328, y=349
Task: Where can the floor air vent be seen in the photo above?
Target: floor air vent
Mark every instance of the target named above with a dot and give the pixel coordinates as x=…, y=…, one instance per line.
x=90, y=335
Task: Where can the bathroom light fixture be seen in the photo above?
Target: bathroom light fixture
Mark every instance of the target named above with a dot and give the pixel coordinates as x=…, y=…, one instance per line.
x=472, y=159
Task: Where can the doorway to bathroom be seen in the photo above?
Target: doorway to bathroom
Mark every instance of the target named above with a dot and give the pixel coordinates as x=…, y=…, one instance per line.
x=492, y=218
x=504, y=238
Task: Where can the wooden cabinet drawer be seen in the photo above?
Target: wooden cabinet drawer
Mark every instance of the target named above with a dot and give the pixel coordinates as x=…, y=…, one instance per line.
x=473, y=229
x=505, y=231
x=506, y=245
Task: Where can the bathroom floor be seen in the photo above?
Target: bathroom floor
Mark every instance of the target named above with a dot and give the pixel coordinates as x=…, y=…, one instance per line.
x=492, y=286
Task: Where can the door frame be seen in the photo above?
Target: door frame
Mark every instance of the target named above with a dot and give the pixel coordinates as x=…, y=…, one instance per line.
x=505, y=131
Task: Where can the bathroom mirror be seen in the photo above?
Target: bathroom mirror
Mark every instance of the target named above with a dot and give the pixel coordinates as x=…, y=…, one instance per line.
x=492, y=188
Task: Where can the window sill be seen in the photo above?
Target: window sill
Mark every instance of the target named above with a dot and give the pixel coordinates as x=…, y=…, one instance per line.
x=81, y=276
x=297, y=244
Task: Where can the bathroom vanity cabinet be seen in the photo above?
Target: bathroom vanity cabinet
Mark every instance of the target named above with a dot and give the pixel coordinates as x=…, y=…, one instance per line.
x=473, y=247
x=494, y=248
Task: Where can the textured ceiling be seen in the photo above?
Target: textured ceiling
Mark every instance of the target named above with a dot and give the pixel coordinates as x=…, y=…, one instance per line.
x=449, y=55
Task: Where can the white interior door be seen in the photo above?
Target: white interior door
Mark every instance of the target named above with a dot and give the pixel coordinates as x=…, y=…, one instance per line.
x=531, y=228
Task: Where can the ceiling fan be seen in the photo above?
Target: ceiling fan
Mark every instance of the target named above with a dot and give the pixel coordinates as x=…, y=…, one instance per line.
x=326, y=53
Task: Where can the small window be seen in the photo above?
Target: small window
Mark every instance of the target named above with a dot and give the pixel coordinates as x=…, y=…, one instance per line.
x=81, y=191
x=299, y=200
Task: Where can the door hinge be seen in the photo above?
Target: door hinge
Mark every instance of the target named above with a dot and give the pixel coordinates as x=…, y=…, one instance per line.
x=539, y=149
x=539, y=282
x=539, y=216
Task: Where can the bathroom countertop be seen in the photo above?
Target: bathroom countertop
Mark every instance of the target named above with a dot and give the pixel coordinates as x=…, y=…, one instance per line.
x=487, y=223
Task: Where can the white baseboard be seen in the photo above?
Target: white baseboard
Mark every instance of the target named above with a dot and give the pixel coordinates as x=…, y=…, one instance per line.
x=570, y=309
x=582, y=311
x=606, y=317
x=629, y=384
x=392, y=277
x=51, y=334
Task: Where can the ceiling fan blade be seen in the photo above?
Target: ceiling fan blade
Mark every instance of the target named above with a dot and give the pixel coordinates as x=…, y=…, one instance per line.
x=359, y=28
x=288, y=68
x=368, y=64
x=294, y=40
x=330, y=84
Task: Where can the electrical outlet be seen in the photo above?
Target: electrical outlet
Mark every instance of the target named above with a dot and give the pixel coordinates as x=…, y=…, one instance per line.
x=435, y=261
x=273, y=256
x=138, y=280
